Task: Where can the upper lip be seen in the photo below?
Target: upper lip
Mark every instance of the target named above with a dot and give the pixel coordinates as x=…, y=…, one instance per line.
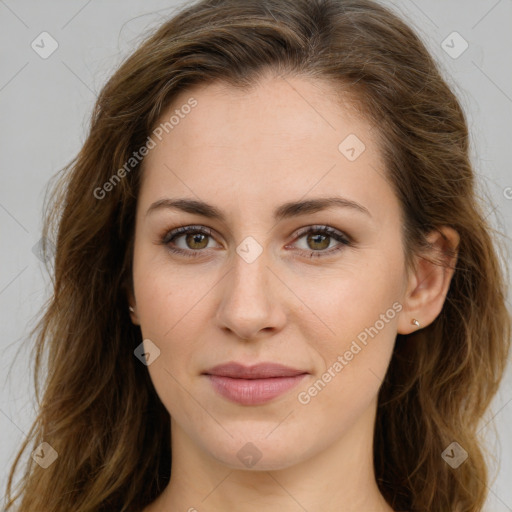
x=257, y=371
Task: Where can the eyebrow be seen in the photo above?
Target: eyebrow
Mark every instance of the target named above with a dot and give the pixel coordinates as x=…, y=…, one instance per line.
x=285, y=211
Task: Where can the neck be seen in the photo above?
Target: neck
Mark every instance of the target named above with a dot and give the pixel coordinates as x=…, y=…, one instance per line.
x=339, y=478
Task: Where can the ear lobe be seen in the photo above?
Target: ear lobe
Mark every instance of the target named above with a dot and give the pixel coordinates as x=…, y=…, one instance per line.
x=132, y=307
x=133, y=315
x=430, y=280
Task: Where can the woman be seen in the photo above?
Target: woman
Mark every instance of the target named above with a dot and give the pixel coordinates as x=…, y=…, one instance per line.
x=270, y=264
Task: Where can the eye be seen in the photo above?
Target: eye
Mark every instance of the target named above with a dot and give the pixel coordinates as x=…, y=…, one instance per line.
x=188, y=240
x=317, y=241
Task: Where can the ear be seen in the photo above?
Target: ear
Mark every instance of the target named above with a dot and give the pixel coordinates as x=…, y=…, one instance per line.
x=133, y=313
x=429, y=280
x=132, y=305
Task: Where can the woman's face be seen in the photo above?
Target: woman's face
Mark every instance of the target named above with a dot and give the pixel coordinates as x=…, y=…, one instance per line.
x=256, y=282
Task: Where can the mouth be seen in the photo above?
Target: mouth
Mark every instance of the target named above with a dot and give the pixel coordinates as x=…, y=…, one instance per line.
x=253, y=385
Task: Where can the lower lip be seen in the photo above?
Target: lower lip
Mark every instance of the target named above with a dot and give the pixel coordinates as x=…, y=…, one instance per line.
x=253, y=391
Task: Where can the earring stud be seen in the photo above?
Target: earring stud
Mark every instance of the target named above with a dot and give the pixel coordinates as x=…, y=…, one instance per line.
x=415, y=322
x=131, y=309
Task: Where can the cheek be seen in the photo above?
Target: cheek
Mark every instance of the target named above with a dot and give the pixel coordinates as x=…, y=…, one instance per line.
x=162, y=310
x=351, y=367
x=359, y=310
x=347, y=303
x=167, y=297
x=170, y=307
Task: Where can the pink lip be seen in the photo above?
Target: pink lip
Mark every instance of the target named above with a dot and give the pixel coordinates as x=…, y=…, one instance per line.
x=253, y=385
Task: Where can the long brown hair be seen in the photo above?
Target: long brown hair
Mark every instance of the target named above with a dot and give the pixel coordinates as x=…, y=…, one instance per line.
x=99, y=410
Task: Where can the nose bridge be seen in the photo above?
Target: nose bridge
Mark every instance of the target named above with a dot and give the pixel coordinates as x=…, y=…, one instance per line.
x=248, y=283
x=249, y=303
x=249, y=273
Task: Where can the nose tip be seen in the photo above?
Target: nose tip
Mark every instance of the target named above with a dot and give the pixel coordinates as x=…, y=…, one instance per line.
x=249, y=305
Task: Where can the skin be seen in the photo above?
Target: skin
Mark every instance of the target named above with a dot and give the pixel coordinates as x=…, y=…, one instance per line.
x=246, y=153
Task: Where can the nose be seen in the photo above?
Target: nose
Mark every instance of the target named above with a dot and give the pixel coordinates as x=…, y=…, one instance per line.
x=252, y=305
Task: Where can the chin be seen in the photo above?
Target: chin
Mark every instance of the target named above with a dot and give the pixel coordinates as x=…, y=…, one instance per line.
x=260, y=451
x=253, y=457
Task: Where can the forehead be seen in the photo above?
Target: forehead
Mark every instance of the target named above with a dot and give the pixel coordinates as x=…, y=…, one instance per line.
x=284, y=136
x=284, y=112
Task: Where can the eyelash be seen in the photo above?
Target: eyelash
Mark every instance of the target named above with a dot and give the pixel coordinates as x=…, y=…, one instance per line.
x=344, y=240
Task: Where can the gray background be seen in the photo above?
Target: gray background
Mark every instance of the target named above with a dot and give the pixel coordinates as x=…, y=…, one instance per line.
x=45, y=107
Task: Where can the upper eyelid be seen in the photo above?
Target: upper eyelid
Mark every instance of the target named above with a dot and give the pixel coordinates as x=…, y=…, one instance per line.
x=325, y=228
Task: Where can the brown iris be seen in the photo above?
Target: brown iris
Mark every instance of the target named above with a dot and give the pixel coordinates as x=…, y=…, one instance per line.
x=200, y=239
x=318, y=239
